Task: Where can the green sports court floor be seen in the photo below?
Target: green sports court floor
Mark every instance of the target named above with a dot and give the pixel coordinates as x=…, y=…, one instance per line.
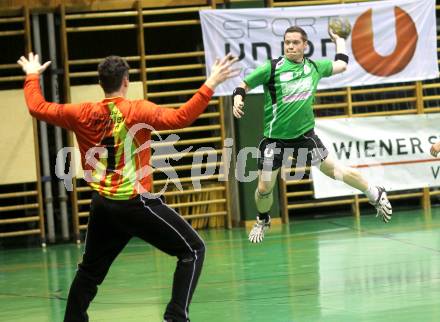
x=332, y=270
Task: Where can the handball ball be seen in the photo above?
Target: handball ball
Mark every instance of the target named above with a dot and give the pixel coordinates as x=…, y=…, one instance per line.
x=340, y=26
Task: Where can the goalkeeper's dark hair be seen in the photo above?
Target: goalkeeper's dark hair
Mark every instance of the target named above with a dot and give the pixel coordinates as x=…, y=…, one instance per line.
x=297, y=29
x=112, y=71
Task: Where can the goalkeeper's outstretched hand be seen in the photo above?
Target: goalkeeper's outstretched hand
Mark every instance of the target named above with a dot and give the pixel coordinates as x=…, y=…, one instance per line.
x=221, y=70
x=31, y=65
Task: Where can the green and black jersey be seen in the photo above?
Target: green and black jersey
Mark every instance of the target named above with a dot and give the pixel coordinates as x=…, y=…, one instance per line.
x=289, y=91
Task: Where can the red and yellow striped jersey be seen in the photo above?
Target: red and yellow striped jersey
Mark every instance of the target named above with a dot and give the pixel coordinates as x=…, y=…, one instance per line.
x=114, y=157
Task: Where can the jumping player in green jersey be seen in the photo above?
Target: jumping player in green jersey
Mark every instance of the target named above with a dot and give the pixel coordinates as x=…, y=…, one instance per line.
x=290, y=83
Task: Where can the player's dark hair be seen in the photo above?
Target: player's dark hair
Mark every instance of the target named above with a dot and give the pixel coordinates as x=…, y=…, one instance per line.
x=111, y=72
x=296, y=29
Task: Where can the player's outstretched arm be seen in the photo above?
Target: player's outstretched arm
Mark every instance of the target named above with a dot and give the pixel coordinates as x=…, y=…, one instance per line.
x=238, y=99
x=167, y=118
x=341, y=59
x=53, y=113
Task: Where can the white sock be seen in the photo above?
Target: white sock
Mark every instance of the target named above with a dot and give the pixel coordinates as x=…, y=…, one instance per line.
x=372, y=193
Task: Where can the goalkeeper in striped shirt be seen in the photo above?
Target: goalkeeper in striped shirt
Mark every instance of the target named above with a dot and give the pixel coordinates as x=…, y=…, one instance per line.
x=121, y=206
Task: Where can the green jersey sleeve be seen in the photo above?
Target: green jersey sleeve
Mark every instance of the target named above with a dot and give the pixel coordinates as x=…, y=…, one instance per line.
x=325, y=67
x=259, y=76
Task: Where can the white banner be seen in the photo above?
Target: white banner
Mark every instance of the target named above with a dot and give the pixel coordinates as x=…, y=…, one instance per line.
x=391, y=41
x=391, y=151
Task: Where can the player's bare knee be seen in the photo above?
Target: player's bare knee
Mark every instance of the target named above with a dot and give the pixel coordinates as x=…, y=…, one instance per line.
x=263, y=188
x=341, y=172
x=329, y=171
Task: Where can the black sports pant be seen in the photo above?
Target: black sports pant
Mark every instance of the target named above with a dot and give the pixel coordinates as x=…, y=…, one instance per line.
x=112, y=223
x=274, y=153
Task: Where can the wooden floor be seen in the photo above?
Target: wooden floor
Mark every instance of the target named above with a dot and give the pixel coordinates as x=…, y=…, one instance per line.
x=331, y=270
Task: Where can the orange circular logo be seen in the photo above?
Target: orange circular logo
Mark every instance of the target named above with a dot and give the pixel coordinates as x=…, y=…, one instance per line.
x=365, y=53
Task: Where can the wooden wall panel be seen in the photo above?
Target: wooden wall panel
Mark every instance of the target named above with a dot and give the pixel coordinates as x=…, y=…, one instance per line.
x=17, y=162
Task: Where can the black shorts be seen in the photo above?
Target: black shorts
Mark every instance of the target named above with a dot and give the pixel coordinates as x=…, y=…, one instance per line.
x=305, y=150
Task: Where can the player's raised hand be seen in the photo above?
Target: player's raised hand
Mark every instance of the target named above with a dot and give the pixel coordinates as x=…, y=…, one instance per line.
x=222, y=70
x=435, y=149
x=333, y=35
x=32, y=65
x=339, y=27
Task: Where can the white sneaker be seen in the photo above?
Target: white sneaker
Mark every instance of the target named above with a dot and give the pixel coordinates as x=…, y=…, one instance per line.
x=382, y=205
x=257, y=233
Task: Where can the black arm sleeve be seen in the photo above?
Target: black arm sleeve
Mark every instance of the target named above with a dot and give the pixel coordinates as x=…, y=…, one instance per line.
x=239, y=91
x=342, y=57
